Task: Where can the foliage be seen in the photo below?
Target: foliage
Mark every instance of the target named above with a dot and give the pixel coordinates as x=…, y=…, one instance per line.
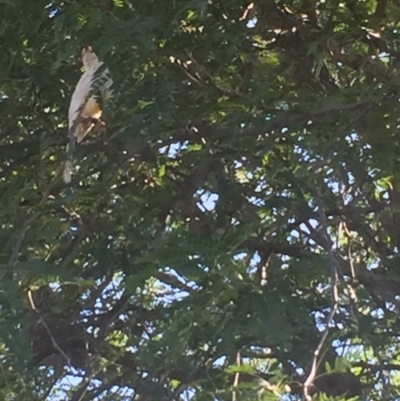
x=240, y=213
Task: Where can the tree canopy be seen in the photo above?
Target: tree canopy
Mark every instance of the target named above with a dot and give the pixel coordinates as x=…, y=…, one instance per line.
x=235, y=232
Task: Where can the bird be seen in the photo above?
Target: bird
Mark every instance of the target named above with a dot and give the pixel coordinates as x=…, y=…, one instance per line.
x=85, y=109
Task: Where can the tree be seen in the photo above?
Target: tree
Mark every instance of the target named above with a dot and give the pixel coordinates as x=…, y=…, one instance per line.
x=235, y=232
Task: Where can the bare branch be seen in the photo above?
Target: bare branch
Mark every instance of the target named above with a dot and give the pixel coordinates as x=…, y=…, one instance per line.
x=334, y=302
x=237, y=377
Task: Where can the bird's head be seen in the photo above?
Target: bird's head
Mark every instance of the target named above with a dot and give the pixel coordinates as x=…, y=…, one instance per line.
x=89, y=57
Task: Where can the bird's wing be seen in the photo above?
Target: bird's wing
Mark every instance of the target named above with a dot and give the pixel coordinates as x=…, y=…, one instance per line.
x=85, y=108
x=84, y=105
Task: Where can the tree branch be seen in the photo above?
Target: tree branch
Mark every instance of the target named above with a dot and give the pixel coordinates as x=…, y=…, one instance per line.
x=334, y=302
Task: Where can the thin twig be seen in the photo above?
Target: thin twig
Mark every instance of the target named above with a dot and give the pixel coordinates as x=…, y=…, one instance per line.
x=18, y=242
x=29, y=221
x=334, y=302
x=246, y=12
x=237, y=377
x=56, y=376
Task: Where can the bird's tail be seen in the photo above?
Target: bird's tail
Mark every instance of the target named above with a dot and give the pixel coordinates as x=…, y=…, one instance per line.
x=68, y=160
x=67, y=172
